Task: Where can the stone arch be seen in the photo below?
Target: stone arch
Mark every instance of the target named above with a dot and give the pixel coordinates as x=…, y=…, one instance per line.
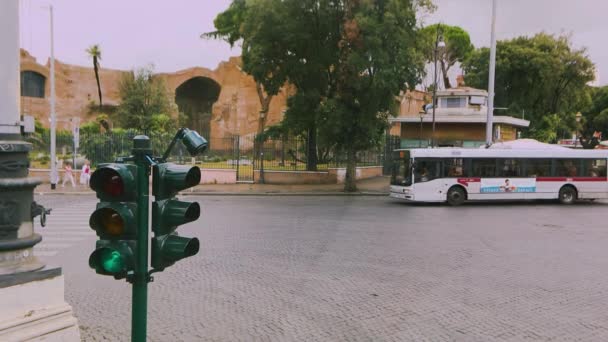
x=195, y=98
x=33, y=84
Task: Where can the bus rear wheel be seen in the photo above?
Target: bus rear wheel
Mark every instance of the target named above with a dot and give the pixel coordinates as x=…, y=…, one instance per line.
x=567, y=195
x=456, y=196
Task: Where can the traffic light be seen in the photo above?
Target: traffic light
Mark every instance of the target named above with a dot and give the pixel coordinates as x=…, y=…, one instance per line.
x=114, y=219
x=168, y=213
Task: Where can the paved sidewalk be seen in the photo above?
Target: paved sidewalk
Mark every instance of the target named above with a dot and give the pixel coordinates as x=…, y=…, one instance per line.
x=378, y=186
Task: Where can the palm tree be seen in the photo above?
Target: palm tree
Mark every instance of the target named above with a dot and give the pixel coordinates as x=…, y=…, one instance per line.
x=95, y=53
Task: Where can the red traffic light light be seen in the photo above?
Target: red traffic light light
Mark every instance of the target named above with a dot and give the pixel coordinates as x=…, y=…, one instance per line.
x=114, y=182
x=108, y=181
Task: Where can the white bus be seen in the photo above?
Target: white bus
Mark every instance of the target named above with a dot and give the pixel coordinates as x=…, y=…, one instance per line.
x=455, y=175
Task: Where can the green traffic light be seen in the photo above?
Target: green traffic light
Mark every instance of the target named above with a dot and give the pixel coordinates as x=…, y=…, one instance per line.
x=112, y=261
x=112, y=258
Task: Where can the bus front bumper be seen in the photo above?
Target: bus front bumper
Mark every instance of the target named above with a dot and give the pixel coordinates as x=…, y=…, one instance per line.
x=402, y=196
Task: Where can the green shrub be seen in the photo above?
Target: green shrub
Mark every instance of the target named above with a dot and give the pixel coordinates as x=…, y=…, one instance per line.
x=43, y=159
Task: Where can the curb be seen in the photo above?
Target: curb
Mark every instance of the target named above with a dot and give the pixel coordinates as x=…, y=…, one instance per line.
x=283, y=194
x=79, y=193
x=201, y=193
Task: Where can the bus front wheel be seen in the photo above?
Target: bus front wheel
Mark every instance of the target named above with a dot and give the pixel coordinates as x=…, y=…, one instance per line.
x=456, y=196
x=567, y=195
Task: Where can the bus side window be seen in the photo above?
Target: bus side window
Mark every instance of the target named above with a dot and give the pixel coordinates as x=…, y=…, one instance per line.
x=453, y=167
x=484, y=167
x=599, y=167
x=589, y=169
x=538, y=168
x=427, y=169
x=567, y=167
x=510, y=168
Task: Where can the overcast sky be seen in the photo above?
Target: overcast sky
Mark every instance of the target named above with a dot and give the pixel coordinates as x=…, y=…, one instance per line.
x=166, y=33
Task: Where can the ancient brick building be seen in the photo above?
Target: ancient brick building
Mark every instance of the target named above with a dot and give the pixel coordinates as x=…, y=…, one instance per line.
x=223, y=101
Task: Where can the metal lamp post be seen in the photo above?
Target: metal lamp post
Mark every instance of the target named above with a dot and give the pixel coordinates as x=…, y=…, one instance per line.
x=490, y=115
x=54, y=177
x=439, y=43
x=420, y=133
x=578, y=116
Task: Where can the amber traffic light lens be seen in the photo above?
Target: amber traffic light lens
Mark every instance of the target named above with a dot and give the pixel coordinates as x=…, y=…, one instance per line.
x=108, y=221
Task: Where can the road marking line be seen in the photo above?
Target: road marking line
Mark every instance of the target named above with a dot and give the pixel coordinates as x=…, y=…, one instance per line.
x=45, y=253
x=62, y=238
x=50, y=245
x=67, y=232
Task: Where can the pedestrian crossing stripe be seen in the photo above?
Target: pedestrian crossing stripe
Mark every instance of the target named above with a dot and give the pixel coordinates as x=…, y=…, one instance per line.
x=66, y=227
x=62, y=238
x=44, y=253
x=72, y=232
x=52, y=245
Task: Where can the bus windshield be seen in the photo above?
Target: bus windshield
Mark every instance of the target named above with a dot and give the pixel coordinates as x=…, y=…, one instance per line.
x=402, y=169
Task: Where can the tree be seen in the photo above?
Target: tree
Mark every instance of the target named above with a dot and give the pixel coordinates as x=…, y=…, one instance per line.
x=162, y=123
x=372, y=70
x=95, y=53
x=542, y=75
x=251, y=22
x=341, y=58
x=457, y=47
x=142, y=98
x=595, y=117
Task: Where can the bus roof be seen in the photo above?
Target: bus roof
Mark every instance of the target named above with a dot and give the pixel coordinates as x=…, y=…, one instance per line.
x=450, y=152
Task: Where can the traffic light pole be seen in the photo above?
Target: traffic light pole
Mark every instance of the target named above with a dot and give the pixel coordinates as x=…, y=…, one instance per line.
x=142, y=152
x=123, y=188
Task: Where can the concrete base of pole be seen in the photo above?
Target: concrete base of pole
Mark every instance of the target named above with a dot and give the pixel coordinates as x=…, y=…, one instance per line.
x=34, y=309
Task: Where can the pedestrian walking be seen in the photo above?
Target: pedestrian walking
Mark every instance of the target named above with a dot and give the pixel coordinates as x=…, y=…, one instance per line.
x=85, y=175
x=68, y=175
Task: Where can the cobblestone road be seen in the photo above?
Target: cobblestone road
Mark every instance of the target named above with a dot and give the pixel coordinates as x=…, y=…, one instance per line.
x=363, y=269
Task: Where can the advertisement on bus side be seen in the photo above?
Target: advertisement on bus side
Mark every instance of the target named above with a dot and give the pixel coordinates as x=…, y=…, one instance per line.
x=507, y=185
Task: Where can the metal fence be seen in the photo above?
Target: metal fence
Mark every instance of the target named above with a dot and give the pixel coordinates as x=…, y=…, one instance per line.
x=241, y=153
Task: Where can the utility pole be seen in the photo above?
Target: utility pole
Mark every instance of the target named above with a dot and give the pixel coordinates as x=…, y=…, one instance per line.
x=490, y=118
x=439, y=43
x=54, y=176
x=434, y=90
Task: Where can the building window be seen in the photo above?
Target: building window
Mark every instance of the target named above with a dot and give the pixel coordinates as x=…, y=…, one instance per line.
x=32, y=84
x=454, y=102
x=477, y=100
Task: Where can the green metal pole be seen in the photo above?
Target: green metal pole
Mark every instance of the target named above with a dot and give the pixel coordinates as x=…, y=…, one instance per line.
x=140, y=279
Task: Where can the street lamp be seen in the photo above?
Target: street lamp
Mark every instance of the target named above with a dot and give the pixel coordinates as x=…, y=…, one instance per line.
x=420, y=133
x=439, y=44
x=578, y=116
x=491, y=79
x=54, y=177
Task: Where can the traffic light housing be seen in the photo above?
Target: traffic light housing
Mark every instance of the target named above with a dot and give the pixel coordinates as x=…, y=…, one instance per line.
x=114, y=219
x=168, y=213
